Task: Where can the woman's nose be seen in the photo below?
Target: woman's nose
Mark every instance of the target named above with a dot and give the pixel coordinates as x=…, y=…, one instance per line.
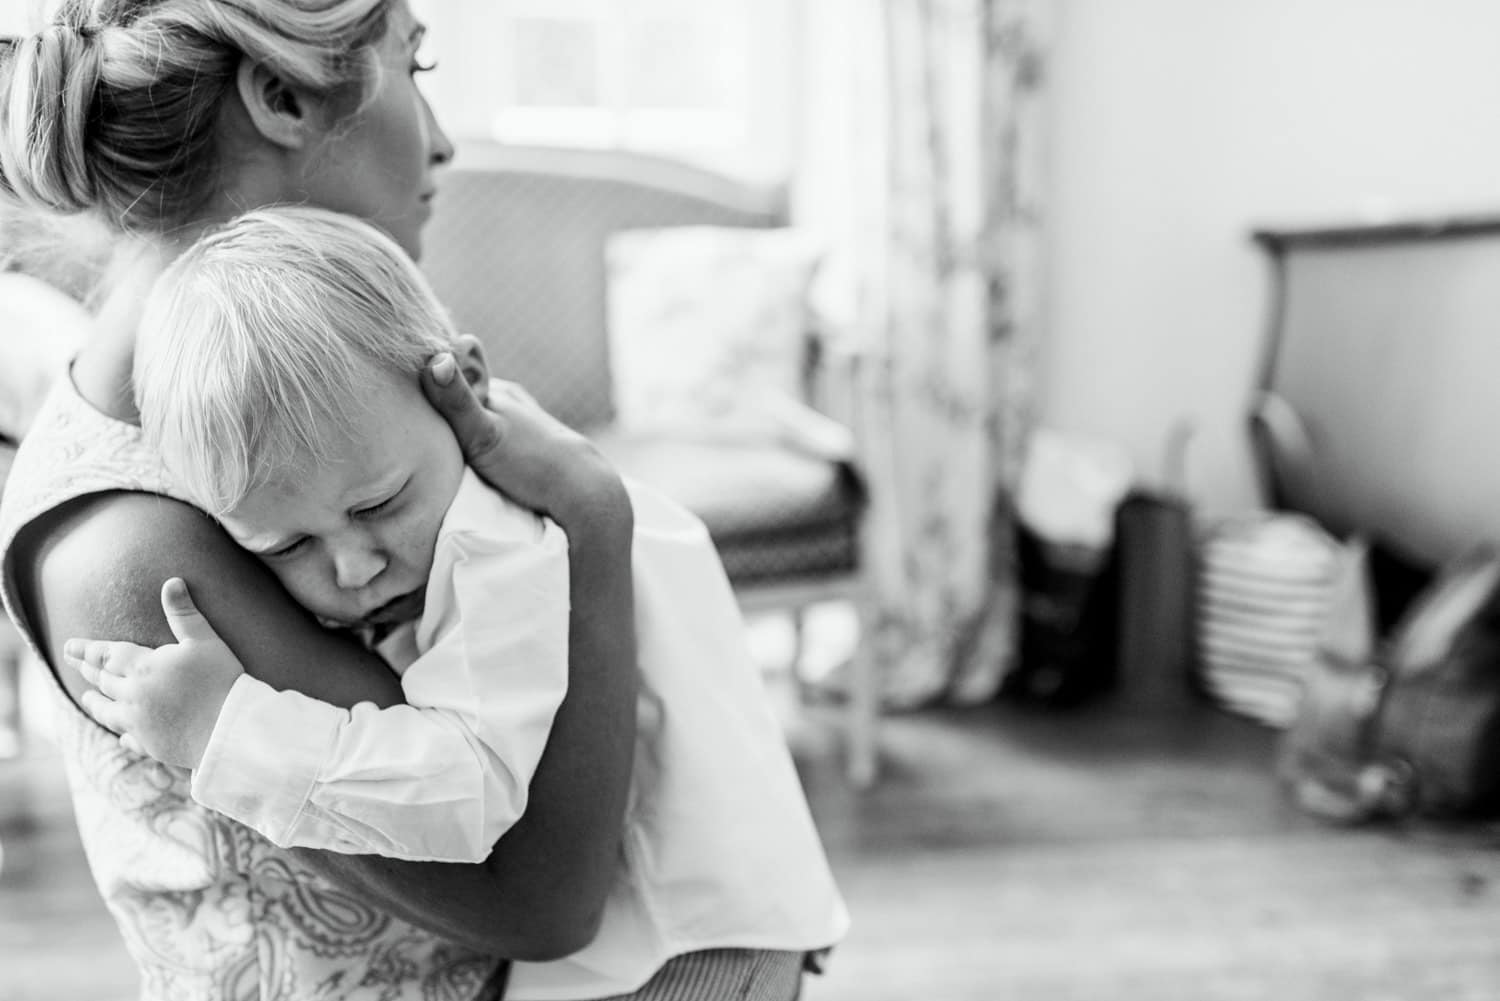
x=439, y=146
x=356, y=564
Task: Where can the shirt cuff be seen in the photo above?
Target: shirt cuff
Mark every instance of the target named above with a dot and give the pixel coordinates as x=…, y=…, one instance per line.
x=263, y=756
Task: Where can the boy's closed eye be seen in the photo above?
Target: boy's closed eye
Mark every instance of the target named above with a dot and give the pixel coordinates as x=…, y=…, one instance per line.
x=378, y=505
x=286, y=549
x=375, y=510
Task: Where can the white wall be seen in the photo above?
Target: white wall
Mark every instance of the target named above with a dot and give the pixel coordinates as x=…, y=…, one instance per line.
x=1180, y=124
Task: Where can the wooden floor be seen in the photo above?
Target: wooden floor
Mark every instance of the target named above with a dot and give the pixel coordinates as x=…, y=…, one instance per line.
x=1111, y=854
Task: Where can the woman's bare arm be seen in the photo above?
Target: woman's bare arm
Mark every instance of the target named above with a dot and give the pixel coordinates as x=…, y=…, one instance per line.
x=557, y=861
x=95, y=567
x=584, y=773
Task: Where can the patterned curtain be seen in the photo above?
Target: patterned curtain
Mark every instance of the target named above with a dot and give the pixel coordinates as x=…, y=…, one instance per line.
x=939, y=147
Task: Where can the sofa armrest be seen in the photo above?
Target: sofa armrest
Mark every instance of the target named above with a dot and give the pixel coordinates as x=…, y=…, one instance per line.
x=835, y=367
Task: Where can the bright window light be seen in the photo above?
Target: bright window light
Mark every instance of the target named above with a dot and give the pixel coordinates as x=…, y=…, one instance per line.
x=709, y=81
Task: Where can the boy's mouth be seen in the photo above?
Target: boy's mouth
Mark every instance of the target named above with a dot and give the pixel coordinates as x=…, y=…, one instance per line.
x=402, y=608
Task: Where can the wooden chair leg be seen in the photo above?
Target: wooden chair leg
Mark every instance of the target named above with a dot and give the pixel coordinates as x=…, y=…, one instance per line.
x=799, y=643
x=863, y=707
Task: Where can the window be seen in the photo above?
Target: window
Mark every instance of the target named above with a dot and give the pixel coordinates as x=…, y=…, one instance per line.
x=705, y=80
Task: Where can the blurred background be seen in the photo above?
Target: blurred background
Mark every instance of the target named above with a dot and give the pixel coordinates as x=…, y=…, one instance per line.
x=1021, y=232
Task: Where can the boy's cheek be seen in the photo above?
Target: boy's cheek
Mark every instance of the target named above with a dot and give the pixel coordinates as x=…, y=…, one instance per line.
x=306, y=592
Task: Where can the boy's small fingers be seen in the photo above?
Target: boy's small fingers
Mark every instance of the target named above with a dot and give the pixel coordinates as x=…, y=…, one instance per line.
x=175, y=597
x=88, y=672
x=113, y=685
x=97, y=653
x=103, y=710
x=105, y=683
x=109, y=657
x=183, y=617
x=130, y=744
x=75, y=652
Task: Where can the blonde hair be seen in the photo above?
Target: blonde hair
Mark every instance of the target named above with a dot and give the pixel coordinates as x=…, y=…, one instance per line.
x=258, y=340
x=114, y=107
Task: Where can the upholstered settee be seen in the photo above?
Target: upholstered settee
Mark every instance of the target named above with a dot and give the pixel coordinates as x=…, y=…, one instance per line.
x=517, y=250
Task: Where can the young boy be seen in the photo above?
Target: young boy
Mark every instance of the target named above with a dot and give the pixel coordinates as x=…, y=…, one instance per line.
x=277, y=374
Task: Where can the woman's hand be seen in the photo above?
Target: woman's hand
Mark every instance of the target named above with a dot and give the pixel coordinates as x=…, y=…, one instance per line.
x=516, y=446
x=579, y=791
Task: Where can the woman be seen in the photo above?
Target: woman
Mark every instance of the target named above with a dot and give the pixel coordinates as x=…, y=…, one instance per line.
x=164, y=117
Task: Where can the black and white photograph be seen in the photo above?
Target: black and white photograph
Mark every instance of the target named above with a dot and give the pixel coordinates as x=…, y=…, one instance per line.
x=959, y=500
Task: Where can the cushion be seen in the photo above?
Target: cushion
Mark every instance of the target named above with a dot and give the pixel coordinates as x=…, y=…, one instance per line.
x=789, y=556
x=701, y=318
x=40, y=329
x=772, y=510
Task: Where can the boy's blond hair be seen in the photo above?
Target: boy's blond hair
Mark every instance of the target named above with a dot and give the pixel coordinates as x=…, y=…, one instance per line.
x=257, y=342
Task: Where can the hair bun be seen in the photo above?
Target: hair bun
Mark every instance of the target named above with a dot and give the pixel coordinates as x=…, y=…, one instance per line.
x=53, y=77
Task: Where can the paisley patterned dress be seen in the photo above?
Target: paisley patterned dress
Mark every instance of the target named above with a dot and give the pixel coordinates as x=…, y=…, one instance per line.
x=210, y=910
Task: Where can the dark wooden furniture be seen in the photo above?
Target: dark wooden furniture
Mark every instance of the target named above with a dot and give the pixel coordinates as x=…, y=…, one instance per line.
x=1379, y=398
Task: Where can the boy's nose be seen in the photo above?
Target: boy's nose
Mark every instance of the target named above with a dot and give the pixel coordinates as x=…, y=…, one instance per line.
x=356, y=566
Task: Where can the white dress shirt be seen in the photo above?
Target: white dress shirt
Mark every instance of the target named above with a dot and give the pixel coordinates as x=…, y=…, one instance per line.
x=719, y=849
x=442, y=777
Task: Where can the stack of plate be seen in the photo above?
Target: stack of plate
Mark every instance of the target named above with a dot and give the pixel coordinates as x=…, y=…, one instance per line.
x=1264, y=586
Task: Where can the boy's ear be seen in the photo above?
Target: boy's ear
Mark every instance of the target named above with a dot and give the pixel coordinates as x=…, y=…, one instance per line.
x=469, y=353
x=280, y=112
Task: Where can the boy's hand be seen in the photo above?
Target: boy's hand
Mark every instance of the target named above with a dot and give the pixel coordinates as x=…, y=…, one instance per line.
x=162, y=702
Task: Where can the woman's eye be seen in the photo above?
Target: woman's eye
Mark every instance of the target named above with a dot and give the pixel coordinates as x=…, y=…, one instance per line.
x=423, y=66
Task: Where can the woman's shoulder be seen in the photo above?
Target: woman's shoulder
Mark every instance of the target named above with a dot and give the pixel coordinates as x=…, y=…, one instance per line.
x=73, y=449
x=86, y=495
x=94, y=565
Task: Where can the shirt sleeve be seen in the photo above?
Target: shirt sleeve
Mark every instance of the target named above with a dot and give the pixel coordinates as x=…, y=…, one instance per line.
x=441, y=778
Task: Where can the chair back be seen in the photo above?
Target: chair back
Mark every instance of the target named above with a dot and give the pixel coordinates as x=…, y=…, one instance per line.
x=1379, y=410
x=516, y=250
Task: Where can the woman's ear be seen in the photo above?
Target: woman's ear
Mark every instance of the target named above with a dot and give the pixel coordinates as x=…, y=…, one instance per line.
x=469, y=353
x=278, y=111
